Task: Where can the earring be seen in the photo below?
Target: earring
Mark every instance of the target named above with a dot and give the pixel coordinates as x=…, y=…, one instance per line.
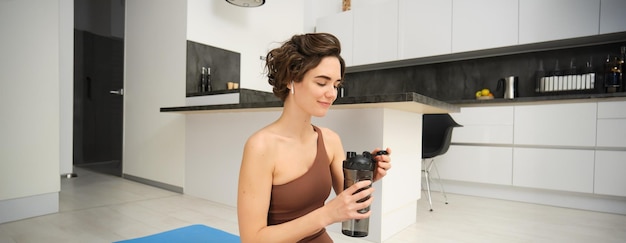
x=292, y=92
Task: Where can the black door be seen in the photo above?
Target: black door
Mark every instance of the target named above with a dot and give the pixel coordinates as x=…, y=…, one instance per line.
x=98, y=102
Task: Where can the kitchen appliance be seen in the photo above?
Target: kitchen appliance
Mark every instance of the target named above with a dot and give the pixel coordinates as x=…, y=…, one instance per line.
x=357, y=168
x=509, y=85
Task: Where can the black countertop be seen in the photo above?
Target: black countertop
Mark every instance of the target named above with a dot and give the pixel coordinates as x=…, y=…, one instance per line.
x=410, y=101
x=567, y=98
x=254, y=100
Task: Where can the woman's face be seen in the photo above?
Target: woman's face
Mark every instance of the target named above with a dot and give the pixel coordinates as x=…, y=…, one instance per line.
x=318, y=89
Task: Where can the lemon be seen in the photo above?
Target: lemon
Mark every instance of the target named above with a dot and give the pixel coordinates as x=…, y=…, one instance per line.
x=479, y=94
x=485, y=92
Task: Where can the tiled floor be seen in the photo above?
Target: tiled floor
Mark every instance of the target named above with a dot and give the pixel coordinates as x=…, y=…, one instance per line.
x=102, y=208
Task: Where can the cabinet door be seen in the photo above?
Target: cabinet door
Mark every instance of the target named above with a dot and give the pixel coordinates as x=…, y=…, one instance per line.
x=558, y=124
x=490, y=125
x=609, y=173
x=483, y=24
x=611, y=124
x=546, y=20
x=482, y=164
x=341, y=26
x=424, y=28
x=555, y=169
x=376, y=33
x=612, y=109
x=612, y=16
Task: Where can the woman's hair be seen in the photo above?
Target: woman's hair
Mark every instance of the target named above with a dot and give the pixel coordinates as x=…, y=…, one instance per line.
x=298, y=55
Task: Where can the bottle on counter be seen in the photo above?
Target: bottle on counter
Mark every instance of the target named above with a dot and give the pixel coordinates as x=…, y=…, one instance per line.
x=612, y=74
x=621, y=67
x=208, y=80
x=202, y=83
x=570, y=78
x=589, y=76
x=540, y=77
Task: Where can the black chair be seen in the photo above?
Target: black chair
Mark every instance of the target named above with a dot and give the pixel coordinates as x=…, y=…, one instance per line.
x=436, y=137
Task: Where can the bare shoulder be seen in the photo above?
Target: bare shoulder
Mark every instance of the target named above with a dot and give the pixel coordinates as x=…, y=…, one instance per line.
x=329, y=135
x=259, y=143
x=331, y=140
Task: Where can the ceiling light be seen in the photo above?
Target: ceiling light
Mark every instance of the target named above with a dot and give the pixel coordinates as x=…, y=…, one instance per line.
x=246, y=3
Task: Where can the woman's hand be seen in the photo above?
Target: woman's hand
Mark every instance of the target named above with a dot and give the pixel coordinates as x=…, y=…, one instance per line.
x=345, y=205
x=383, y=164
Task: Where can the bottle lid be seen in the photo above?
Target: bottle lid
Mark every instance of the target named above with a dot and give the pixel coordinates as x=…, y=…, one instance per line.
x=359, y=161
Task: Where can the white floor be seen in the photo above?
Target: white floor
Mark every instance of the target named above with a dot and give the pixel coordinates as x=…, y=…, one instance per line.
x=102, y=208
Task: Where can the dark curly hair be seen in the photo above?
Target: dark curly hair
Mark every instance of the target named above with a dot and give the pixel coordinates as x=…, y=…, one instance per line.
x=298, y=55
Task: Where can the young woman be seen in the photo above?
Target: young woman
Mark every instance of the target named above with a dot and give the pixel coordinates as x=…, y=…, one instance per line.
x=289, y=166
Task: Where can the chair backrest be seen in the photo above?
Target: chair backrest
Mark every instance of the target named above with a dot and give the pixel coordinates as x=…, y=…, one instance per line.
x=436, y=134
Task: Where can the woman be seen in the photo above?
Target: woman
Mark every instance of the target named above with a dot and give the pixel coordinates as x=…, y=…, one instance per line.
x=289, y=166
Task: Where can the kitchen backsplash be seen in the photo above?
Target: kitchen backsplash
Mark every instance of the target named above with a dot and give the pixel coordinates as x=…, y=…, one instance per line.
x=458, y=80
x=225, y=66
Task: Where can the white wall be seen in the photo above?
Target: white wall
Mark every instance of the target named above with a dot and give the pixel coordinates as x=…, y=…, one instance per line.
x=155, y=61
x=248, y=31
x=66, y=85
x=29, y=102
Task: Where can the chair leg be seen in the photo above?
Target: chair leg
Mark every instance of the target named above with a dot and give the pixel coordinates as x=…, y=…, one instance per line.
x=439, y=181
x=426, y=172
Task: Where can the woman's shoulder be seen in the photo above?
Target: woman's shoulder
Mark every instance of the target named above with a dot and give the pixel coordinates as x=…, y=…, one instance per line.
x=260, y=139
x=329, y=134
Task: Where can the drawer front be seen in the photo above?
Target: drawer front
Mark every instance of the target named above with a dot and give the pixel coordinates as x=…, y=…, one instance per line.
x=491, y=165
x=615, y=109
x=497, y=115
x=555, y=169
x=562, y=124
x=609, y=173
x=488, y=134
x=612, y=133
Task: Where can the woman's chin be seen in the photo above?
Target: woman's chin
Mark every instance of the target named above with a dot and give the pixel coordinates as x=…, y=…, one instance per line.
x=320, y=113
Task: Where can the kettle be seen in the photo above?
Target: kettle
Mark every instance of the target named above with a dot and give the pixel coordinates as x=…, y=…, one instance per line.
x=509, y=84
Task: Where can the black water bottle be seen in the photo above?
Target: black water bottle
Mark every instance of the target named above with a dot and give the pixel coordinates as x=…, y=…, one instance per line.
x=357, y=168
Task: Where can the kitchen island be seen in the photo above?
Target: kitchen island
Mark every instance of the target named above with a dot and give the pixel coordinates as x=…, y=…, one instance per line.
x=215, y=136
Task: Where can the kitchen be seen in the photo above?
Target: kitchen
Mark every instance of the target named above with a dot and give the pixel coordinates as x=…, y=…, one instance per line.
x=155, y=140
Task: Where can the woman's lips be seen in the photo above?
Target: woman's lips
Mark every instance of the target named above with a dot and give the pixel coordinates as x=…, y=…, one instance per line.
x=325, y=104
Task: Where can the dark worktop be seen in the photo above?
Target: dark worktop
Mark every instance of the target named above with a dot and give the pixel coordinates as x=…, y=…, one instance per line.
x=410, y=101
x=254, y=100
x=567, y=98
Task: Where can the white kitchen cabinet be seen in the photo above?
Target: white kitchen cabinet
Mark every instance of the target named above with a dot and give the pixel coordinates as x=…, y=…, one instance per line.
x=611, y=109
x=482, y=164
x=609, y=173
x=340, y=25
x=424, y=28
x=556, y=124
x=375, y=33
x=612, y=16
x=484, y=24
x=611, y=128
x=612, y=132
x=488, y=125
x=554, y=169
x=547, y=20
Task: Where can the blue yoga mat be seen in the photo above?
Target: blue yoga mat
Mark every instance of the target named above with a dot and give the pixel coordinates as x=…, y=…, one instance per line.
x=189, y=234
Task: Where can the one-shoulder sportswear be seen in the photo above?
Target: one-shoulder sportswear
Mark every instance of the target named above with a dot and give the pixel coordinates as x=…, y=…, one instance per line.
x=304, y=194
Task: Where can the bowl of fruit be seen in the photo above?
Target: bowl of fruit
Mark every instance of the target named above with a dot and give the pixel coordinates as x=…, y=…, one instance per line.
x=484, y=94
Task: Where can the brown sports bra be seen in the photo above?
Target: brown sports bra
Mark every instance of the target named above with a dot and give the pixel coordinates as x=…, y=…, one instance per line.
x=304, y=194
